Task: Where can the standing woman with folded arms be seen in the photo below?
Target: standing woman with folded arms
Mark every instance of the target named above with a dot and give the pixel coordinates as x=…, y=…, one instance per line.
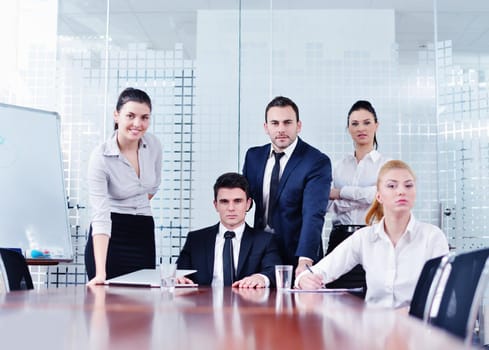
x=353, y=188
x=393, y=249
x=124, y=173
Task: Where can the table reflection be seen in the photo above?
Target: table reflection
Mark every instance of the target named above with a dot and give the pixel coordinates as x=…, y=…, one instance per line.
x=110, y=325
x=256, y=296
x=206, y=318
x=284, y=302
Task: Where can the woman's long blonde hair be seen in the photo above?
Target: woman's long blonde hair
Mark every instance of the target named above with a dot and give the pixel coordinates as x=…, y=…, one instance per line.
x=376, y=211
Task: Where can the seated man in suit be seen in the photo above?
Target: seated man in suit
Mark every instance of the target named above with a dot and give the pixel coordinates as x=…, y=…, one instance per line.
x=231, y=252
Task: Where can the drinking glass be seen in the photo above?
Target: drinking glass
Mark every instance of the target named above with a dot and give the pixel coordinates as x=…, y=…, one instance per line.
x=283, y=276
x=168, y=276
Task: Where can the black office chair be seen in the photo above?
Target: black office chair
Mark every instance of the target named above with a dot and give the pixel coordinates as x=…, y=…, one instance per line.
x=427, y=281
x=18, y=275
x=462, y=293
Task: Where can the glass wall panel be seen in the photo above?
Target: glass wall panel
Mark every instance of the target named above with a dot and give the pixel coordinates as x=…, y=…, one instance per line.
x=154, y=46
x=463, y=113
x=326, y=56
x=28, y=64
x=80, y=90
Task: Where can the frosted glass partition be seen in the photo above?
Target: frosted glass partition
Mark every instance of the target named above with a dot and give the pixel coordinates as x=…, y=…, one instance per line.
x=325, y=73
x=28, y=65
x=463, y=111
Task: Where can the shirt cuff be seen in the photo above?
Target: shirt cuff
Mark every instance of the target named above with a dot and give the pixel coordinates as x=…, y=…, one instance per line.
x=101, y=228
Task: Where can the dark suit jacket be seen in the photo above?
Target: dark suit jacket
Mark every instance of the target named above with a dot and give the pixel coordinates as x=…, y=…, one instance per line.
x=258, y=253
x=302, y=199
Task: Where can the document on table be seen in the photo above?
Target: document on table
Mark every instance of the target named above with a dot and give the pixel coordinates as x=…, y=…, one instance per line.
x=147, y=278
x=325, y=290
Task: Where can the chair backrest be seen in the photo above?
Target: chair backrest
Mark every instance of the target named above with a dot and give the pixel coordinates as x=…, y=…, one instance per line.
x=462, y=293
x=15, y=266
x=3, y=278
x=420, y=302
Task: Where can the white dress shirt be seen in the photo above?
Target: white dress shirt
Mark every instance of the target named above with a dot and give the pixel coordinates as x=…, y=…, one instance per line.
x=114, y=185
x=391, y=272
x=357, y=184
x=268, y=172
x=218, y=278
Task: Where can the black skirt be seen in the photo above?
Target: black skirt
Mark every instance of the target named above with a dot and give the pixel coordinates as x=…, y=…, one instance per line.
x=131, y=246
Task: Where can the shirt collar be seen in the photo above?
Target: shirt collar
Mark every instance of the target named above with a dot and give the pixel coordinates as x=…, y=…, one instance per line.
x=409, y=234
x=112, y=148
x=378, y=230
x=374, y=155
x=288, y=151
x=410, y=231
x=238, y=230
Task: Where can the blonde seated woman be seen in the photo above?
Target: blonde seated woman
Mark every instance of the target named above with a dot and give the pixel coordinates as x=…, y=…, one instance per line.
x=392, y=249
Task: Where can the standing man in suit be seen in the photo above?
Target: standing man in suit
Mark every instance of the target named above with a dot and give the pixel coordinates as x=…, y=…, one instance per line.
x=290, y=182
x=231, y=252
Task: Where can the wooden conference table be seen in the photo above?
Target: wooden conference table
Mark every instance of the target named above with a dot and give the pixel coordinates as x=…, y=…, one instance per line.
x=204, y=318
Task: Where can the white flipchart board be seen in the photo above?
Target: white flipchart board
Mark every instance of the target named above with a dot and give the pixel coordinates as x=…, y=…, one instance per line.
x=33, y=203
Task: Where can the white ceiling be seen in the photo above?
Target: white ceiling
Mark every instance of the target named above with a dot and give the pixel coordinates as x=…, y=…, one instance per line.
x=161, y=24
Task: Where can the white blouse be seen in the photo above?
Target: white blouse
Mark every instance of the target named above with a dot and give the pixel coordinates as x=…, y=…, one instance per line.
x=357, y=184
x=391, y=272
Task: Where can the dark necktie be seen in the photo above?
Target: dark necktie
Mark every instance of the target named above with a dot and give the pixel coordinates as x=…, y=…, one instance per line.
x=228, y=259
x=274, y=181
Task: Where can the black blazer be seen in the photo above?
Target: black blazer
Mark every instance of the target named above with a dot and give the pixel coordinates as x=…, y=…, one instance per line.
x=301, y=200
x=258, y=254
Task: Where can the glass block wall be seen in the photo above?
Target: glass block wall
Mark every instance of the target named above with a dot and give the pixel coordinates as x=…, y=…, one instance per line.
x=169, y=79
x=463, y=112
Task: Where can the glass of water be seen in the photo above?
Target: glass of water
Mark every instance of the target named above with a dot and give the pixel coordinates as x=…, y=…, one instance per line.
x=168, y=276
x=283, y=276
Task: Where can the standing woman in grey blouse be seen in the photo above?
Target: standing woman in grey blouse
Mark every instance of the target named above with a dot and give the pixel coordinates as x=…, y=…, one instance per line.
x=124, y=173
x=354, y=185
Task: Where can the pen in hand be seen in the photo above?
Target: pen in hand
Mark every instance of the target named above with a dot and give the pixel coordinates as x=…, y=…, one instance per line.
x=310, y=270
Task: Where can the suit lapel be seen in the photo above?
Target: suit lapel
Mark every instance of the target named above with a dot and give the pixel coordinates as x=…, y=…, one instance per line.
x=210, y=247
x=244, y=249
x=261, y=172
